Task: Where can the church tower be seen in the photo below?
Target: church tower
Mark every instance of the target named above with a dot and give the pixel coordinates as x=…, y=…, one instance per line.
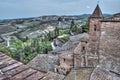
x=94, y=30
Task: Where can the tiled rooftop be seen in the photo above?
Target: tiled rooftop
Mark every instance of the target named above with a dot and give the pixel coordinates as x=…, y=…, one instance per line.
x=80, y=74
x=101, y=74
x=13, y=70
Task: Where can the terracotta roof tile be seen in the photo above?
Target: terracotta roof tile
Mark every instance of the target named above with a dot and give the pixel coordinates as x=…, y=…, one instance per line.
x=11, y=69
x=17, y=70
x=35, y=76
x=5, y=60
x=24, y=74
x=3, y=57
x=1, y=54
x=4, y=78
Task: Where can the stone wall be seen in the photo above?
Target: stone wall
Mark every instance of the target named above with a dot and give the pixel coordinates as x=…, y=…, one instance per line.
x=94, y=32
x=110, y=39
x=109, y=49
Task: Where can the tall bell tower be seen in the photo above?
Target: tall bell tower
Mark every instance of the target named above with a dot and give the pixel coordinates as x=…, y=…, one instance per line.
x=94, y=30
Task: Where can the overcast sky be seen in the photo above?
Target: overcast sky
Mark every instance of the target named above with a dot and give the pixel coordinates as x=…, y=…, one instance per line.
x=34, y=8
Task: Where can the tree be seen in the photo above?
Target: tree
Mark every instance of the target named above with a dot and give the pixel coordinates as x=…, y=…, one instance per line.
x=56, y=32
x=74, y=27
x=35, y=45
x=49, y=36
x=18, y=52
x=72, y=24
x=60, y=19
x=85, y=28
x=79, y=30
x=6, y=50
x=26, y=51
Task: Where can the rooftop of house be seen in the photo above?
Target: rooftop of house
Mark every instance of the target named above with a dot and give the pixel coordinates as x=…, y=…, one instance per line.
x=102, y=74
x=72, y=43
x=44, y=62
x=11, y=69
x=67, y=56
x=53, y=76
x=81, y=74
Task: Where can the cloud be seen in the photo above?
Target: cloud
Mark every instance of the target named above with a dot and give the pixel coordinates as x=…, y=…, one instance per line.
x=88, y=7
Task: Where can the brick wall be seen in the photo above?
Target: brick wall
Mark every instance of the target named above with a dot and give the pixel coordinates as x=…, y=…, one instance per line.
x=94, y=32
x=110, y=39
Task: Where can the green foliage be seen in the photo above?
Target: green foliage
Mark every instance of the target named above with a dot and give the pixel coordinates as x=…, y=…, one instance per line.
x=6, y=50
x=29, y=58
x=74, y=28
x=26, y=51
x=85, y=28
x=60, y=19
x=72, y=24
x=64, y=39
x=56, y=31
x=51, y=35
x=79, y=30
x=61, y=32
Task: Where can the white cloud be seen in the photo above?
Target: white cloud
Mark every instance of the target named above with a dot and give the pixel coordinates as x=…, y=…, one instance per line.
x=88, y=7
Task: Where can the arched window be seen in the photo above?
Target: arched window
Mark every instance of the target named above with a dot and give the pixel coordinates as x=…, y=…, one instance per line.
x=95, y=27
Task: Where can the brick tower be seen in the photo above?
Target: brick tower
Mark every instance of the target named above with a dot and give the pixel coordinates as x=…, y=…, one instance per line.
x=94, y=30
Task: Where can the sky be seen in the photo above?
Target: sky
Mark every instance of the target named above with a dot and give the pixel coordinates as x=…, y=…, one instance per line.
x=10, y=9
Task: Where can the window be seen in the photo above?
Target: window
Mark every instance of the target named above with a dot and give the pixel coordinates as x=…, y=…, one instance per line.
x=64, y=60
x=83, y=49
x=57, y=70
x=95, y=27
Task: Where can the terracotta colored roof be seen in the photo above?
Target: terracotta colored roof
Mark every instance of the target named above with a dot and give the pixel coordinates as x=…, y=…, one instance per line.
x=13, y=70
x=97, y=13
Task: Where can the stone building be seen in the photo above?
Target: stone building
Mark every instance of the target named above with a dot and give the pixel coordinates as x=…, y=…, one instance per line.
x=75, y=56
x=109, y=49
x=87, y=52
x=66, y=64
x=101, y=53
x=80, y=54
